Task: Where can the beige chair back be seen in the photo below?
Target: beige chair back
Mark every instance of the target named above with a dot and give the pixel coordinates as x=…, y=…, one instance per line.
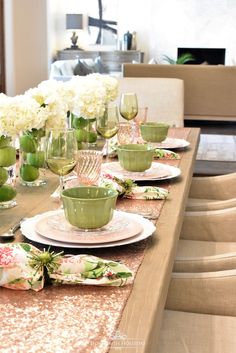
x=209, y=89
x=218, y=225
x=204, y=292
x=164, y=97
x=220, y=187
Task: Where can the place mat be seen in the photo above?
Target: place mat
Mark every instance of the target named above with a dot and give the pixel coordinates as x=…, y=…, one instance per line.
x=53, y=225
x=76, y=319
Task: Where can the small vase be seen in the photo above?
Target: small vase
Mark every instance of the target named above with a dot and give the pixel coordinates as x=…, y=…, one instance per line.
x=32, y=158
x=86, y=133
x=7, y=172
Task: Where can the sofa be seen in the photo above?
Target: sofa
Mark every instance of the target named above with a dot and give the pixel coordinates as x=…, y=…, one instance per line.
x=210, y=90
x=64, y=70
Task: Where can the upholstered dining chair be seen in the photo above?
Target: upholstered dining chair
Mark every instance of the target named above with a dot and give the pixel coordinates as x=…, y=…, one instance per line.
x=204, y=256
x=217, y=225
x=203, y=292
x=212, y=193
x=200, y=313
x=164, y=97
x=187, y=332
x=209, y=205
x=207, y=242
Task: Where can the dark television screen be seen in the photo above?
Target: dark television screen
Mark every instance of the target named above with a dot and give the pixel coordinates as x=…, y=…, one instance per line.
x=210, y=56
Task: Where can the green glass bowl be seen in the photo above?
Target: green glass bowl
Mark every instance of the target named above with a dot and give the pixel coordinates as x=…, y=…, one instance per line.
x=135, y=157
x=154, y=132
x=89, y=207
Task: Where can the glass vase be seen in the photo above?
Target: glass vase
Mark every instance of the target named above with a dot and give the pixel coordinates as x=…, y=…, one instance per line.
x=86, y=133
x=7, y=172
x=32, y=158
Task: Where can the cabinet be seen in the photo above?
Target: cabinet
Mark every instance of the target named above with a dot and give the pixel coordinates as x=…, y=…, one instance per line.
x=112, y=59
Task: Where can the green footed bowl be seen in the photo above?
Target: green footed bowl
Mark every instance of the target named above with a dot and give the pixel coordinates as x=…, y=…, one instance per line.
x=89, y=207
x=154, y=132
x=135, y=157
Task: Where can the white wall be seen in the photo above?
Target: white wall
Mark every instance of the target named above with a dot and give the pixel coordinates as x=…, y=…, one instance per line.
x=35, y=30
x=163, y=26
x=192, y=23
x=26, y=45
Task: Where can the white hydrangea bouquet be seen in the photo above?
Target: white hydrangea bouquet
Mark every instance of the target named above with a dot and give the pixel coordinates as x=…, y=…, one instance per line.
x=92, y=94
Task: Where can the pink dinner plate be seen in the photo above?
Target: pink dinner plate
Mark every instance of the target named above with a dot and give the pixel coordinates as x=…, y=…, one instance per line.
x=171, y=143
x=56, y=227
x=158, y=171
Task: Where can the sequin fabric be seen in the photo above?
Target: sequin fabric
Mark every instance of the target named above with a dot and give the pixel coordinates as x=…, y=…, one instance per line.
x=73, y=319
x=64, y=319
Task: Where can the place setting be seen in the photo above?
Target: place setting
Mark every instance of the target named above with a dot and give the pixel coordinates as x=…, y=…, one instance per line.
x=89, y=218
x=135, y=160
x=157, y=134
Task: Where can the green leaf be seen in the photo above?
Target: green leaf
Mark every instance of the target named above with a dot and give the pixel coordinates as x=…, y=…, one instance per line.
x=113, y=264
x=124, y=274
x=26, y=247
x=169, y=60
x=184, y=58
x=17, y=280
x=127, y=185
x=98, y=272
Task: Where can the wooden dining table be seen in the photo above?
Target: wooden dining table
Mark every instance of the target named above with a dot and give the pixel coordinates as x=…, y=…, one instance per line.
x=142, y=315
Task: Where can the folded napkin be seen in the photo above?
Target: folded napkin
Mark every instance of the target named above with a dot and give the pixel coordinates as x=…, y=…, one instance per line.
x=165, y=154
x=127, y=188
x=23, y=267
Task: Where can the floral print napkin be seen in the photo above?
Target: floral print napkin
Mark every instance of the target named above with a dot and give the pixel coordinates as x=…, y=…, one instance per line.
x=23, y=267
x=125, y=187
x=165, y=154
x=128, y=189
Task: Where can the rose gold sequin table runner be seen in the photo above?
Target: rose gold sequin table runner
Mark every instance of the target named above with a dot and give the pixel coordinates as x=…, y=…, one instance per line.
x=74, y=318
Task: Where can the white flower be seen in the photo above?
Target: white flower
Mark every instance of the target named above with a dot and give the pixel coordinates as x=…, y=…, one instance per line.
x=18, y=114
x=47, y=105
x=92, y=93
x=56, y=98
x=90, y=97
x=110, y=84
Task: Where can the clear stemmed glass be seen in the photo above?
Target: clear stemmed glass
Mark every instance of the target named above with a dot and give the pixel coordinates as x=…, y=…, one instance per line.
x=140, y=118
x=129, y=108
x=61, y=152
x=108, y=124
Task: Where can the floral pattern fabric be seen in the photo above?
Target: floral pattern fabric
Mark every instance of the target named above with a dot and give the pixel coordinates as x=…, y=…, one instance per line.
x=127, y=188
x=22, y=267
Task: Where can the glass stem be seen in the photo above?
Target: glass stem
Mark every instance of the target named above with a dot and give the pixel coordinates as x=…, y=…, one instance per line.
x=61, y=184
x=133, y=124
x=107, y=150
